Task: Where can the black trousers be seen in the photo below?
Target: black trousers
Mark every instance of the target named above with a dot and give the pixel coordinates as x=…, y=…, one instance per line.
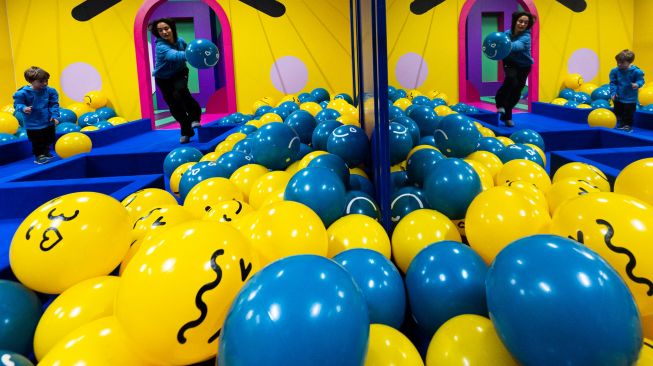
x=41, y=140
x=183, y=107
x=624, y=112
x=509, y=93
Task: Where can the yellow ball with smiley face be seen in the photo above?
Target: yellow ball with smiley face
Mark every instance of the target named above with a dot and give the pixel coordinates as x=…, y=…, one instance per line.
x=70, y=239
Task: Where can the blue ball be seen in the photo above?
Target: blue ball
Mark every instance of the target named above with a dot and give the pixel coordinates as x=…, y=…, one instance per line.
x=602, y=93
x=334, y=163
x=14, y=359
x=345, y=97
x=395, y=112
x=567, y=93
x=350, y=143
x=21, y=133
x=647, y=108
x=520, y=151
x=324, y=104
x=5, y=137
x=303, y=123
x=451, y=187
x=497, y=45
x=320, y=189
x=66, y=127
x=571, y=104
x=582, y=98
x=398, y=180
x=198, y=173
x=180, y=156
x=359, y=183
x=19, y=315
x=275, y=146
x=444, y=280
x=457, y=136
x=232, y=160
x=244, y=145
x=326, y=114
x=88, y=119
x=401, y=93
x=528, y=136
x=421, y=163
x=380, y=282
x=436, y=102
x=413, y=128
x=289, y=106
x=427, y=140
x=426, y=119
x=305, y=97
x=303, y=151
x=359, y=202
x=579, y=310
x=600, y=103
x=246, y=129
x=66, y=115
x=299, y=310
x=404, y=201
x=421, y=100
x=320, y=95
x=491, y=144
x=202, y=53
x=105, y=113
x=282, y=112
x=400, y=141
x=322, y=132
x=262, y=110
x=103, y=125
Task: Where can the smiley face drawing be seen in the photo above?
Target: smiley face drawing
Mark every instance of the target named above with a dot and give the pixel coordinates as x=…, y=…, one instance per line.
x=69, y=239
x=496, y=46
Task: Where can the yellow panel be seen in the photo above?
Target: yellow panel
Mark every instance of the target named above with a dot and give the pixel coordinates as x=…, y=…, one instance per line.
x=7, y=88
x=643, y=37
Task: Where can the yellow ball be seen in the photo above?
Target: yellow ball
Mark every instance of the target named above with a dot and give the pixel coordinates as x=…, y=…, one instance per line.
x=531, y=191
x=245, y=176
x=288, y=98
x=389, y=347
x=583, y=106
x=468, y=340
x=588, y=88
x=89, y=128
x=117, y=121
x=348, y=119
x=489, y=160
x=357, y=231
x=287, y=228
x=8, y=123
x=175, y=178
x=524, y=170
x=227, y=211
x=337, y=104
x=413, y=93
x=565, y=189
x=636, y=180
x=292, y=168
x=402, y=103
x=80, y=108
x=73, y=143
x=142, y=201
x=573, y=81
x=505, y=140
x=559, y=101
x=96, y=99
x=223, y=147
x=235, y=137
x=310, y=107
x=267, y=184
x=275, y=196
x=70, y=239
x=303, y=163
x=646, y=354
x=646, y=95
x=176, y=291
x=269, y=118
x=612, y=224
x=486, y=132
x=81, y=304
x=208, y=193
x=269, y=101
x=254, y=122
x=602, y=117
x=583, y=171
x=101, y=342
x=416, y=231
x=443, y=110
x=420, y=147
x=212, y=156
x=9, y=108
x=487, y=181
x=358, y=171
x=500, y=215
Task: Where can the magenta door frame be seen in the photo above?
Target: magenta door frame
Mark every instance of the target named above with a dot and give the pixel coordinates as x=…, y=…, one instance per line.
x=465, y=95
x=143, y=65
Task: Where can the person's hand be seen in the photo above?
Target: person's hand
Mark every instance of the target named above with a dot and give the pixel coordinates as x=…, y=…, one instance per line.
x=634, y=85
x=56, y=121
x=27, y=110
x=613, y=97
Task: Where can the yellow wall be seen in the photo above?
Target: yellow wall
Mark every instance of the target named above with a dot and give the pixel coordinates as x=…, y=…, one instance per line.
x=643, y=38
x=6, y=63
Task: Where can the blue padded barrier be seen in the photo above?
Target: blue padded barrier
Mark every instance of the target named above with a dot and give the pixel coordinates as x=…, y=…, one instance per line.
x=575, y=115
x=643, y=120
x=212, y=130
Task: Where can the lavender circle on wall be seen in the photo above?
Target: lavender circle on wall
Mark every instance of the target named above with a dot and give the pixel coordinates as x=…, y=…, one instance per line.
x=411, y=70
x=289, y=74
x=79, y=78
x=585, y=62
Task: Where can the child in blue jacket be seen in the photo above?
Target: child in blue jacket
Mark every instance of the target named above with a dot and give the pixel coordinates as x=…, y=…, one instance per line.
x=625, y=79
x=516, y=66
x=38, y=107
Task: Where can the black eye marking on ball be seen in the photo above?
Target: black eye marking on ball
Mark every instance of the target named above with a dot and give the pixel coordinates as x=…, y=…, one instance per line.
x=62, y=217
x=244, y=270
x=577, y=6
x=632, y=261
x=146, y=216
x=270, y=7
x=419, y=7
x=89, y=9
x=199, y=303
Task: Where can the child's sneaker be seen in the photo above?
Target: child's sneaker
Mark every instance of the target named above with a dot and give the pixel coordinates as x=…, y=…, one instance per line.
x=41, y=159
x=49, y=156
x=195, y=124
x=184, y=139
x=627, y=129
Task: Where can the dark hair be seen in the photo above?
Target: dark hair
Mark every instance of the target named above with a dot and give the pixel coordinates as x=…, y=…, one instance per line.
x=518, y=14
x=625, y=55
x=171, y=23
x=36, y=73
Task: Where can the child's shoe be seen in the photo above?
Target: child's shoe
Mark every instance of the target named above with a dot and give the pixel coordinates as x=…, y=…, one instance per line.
x=41, y=159
x=184, y=139
x=195, y=124
x=49, y=156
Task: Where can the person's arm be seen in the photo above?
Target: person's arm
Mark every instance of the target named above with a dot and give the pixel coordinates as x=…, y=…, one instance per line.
x=522, y=43
x=613, y=83
x=20, y=102
x=53, y=105
x=168, y=53
x=639, y=79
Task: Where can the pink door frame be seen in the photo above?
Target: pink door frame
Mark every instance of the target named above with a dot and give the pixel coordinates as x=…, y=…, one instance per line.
x=533, y=78
x=143, y=65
